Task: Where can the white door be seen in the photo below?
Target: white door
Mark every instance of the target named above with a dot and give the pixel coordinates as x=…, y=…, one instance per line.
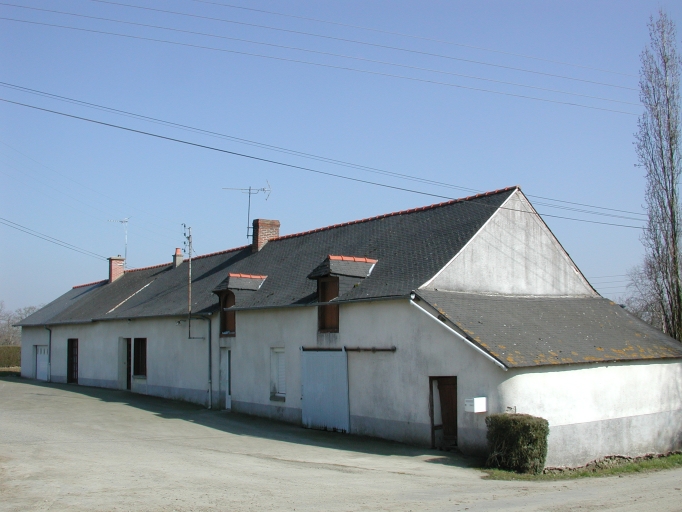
x=41, y=362
x=225, y=382
x=324, y=389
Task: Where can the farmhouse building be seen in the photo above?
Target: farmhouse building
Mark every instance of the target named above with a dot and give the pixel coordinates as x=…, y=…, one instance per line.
x=411, y=326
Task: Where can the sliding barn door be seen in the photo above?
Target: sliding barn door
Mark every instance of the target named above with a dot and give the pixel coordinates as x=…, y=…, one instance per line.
x=324, y=383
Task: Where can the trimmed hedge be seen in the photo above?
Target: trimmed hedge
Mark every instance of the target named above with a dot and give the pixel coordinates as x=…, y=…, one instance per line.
x=10, y=356
x=517, y=442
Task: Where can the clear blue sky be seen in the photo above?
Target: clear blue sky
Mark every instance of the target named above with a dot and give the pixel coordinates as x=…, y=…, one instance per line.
x=67, y=178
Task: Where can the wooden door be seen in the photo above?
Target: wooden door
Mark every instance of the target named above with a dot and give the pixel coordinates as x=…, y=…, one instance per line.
x=129, y=355
x=447, y=389
x=72, y=361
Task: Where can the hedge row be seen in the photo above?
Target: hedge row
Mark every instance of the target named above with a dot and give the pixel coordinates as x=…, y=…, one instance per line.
x=10, y=356
x=517, y=442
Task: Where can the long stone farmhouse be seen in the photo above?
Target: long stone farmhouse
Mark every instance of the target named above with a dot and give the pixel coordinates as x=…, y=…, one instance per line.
x=411, y=326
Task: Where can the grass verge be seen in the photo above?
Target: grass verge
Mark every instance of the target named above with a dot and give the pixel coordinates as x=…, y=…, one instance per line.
x=12, y=371
x=605, y=467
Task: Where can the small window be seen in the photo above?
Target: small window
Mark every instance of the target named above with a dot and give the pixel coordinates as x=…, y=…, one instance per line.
x=228, y=321
x=140, y=357
x=328, y=315
x=278, y=373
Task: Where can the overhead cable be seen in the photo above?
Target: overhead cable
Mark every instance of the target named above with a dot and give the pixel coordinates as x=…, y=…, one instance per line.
x=286, y=150
x=377, y=73
x=50, y=239
x=411, y=36
x=366, y=43
x=327, y=54
x=291, y=166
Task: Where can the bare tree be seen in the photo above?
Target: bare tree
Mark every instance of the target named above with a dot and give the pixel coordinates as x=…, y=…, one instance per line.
x=658, y=149
x=10, y=335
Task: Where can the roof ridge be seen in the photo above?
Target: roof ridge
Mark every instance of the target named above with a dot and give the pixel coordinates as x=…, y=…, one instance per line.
x=400, y=212
x=89, y=284
x=221, y=252
x=195, y=258
x=146, y=268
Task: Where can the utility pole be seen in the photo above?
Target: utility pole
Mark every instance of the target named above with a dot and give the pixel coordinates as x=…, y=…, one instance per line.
x=251, y=192
x=188, y=249
x=125, y=230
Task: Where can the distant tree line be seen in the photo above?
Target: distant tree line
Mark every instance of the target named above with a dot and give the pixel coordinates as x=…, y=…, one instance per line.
x=10, y=335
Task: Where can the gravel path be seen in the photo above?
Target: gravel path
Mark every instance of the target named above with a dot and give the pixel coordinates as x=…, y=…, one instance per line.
x=77, y=448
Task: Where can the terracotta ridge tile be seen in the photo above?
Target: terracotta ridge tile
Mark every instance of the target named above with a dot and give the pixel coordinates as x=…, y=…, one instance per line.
x=356, y=259
x=221, y=252
x=146, y=268
x=89, y=284
x=246, y=276
x=401, y=212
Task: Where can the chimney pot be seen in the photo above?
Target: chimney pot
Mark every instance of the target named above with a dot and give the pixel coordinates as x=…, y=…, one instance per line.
x=264, y=230
x=116, y=267
x=177, y=257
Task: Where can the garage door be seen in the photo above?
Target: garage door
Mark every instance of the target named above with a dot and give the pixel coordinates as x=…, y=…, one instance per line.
x=41, y=362
x=324, y=378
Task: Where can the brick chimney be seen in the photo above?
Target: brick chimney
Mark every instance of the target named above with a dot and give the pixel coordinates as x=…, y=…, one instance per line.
x=263, y=231
x=116, y=268
x=177, y=257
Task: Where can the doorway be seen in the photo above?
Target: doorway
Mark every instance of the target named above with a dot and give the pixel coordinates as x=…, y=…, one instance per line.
x=129, y=356
x=72, y=361
x=41, y=362
x=225, y=377
x=443, y=412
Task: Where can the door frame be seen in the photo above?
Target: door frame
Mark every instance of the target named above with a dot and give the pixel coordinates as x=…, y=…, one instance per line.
x=434, y=428
x=71, y=358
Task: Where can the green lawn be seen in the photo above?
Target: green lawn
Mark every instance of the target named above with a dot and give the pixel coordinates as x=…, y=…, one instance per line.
x=606, y=468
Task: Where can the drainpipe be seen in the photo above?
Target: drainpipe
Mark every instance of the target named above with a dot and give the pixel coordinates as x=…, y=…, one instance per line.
x=49, y=354
x=210, y=358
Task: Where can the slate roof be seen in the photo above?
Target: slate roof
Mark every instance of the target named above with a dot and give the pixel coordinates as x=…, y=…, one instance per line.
x=538, y=331
x=410, y=246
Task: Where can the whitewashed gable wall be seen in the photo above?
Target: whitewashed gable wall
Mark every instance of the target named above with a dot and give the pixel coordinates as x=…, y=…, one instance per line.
x=513, y=254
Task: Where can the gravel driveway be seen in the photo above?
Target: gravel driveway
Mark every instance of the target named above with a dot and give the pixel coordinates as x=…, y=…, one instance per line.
x=64, y=447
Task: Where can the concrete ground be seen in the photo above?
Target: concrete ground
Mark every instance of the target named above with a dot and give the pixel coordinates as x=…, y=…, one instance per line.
x=75, y=448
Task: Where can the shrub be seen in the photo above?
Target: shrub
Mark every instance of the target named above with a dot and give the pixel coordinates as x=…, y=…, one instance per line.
x=517, y=442
x=10, y=356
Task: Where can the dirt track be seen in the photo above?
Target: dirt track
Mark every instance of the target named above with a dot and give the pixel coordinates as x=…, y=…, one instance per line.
x=75, y=448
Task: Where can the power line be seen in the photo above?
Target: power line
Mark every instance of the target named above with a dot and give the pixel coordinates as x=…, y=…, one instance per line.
x=328, y=54
x=283, y=164
x=402, y=34
x=288, y=151
x=361, y=42
x=377, y=73
x=50, y=239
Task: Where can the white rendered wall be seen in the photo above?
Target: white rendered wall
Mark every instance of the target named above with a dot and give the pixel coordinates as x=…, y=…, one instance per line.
x=177, y=367
x=30, y=337
x=605, y=409
x=257, y=333
x=513, y=254
x=389, y=392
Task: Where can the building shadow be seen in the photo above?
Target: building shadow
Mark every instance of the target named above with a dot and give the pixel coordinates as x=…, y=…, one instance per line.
x=252, y=426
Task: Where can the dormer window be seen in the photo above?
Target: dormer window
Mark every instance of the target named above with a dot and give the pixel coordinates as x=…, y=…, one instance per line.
x=328, y=314
x=228, y=320
x=244, y=284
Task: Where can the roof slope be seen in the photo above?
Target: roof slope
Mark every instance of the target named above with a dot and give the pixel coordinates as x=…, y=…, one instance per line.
x=410, y=246
x=534, y=331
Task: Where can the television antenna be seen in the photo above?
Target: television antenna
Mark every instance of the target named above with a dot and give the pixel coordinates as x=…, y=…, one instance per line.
x=252, y=192
x=125, y=230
